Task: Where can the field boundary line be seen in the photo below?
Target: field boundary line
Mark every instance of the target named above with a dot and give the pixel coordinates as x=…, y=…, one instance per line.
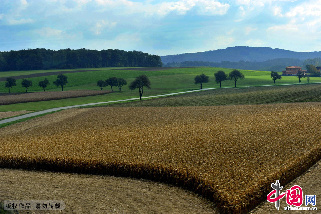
x=38, y=113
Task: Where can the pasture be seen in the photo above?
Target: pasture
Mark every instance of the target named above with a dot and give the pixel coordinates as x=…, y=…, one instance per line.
x=162, y=82
x=229, y=154
x=215, y=143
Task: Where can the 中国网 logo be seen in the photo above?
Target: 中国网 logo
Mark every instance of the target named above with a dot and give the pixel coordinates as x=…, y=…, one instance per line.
x=294, y=197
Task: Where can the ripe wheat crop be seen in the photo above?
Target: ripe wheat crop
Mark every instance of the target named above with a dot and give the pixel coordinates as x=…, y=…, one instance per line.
x=229, y=154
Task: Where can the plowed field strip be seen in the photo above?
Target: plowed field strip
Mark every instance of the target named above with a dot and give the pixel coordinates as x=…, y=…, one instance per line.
x=49, y=95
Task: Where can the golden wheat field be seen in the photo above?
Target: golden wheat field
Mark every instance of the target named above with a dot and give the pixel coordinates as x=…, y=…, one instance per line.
x=229, y=154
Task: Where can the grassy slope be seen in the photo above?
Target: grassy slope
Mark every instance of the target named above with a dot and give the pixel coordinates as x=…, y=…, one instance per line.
x=163, y=81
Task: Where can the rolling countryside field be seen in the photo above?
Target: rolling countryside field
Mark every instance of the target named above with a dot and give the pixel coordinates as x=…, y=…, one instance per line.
x=162, y=81
x=227, y=145
x=229, y=154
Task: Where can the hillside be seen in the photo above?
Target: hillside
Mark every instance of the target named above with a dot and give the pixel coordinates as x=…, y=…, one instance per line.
x=260, y=58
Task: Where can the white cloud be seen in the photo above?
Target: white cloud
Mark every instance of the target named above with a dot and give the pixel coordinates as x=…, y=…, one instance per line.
x=12, y=21
x=49, y=32
x=218, y=42
x=206, y=7
x=309, y=8
x=248, y=30
x=277, y=11
x=255, y=43
x=24, y=2
x=181, y=7
x=123, y=41
x=287, y=28
x=101, y=25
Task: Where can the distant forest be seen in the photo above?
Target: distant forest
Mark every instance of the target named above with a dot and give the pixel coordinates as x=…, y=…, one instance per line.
x=42, y=59
x=269, y=65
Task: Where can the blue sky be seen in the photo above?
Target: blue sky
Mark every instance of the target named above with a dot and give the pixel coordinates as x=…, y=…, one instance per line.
x=160, y=27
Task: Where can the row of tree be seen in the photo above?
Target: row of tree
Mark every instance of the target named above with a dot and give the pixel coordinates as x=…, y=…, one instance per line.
x=61, y=81
x=220, y=76
x=112, y=81
x=41, y=59
x=140, y=82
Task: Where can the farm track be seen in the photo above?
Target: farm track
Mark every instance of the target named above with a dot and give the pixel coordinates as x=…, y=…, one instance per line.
x=4, y=121
x=198, y=148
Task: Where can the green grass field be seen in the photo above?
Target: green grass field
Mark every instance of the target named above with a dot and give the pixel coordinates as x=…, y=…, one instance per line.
x=162, y=81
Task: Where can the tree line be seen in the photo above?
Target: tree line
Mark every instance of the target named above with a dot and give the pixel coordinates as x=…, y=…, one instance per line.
x=60, y=82
x=220, y=76
x=236, y=75
x=43, y=59
x=140, y=82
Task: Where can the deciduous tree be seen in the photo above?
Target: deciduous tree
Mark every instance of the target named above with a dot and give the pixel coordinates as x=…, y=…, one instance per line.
x=26, y=84
x=43, y=84
x=112, y=81
x=101, y=84
x=235, y=75
x=275, y=76
x=121, y=82
x=10, y=82
x=220, y=76
x=140, y=82
x=61, y=81
x=312, y=70
x=300, y=75
x=200, y=79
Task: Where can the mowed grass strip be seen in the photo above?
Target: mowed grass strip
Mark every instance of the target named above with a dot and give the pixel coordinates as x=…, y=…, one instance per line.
x=230, y=154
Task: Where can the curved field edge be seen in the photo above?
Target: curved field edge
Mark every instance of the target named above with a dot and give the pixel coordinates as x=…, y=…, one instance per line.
x=183, y=179
x=187, y=177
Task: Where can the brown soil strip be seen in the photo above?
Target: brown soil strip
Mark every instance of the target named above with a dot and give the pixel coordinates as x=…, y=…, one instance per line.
x=100, y=194
x=12, y=114
x=43, y=74
x=49, y=95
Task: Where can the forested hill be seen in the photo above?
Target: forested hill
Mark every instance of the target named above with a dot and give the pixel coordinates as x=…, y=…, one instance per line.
x=39, y=59
x=240, y=53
